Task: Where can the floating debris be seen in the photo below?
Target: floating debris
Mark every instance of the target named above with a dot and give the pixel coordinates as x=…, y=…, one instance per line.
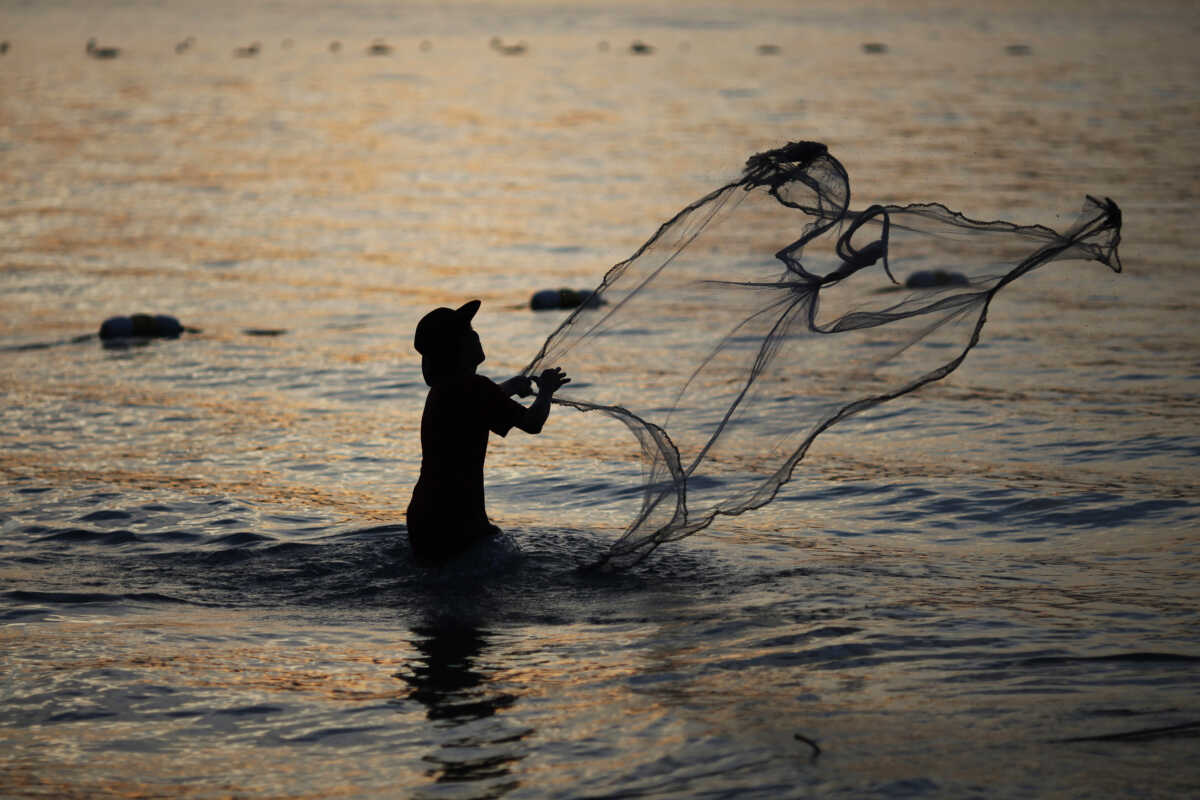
x=816, y=749
x=874, y=48
x=1018, y=49
x=142, y=326
x=548, y=299
x=507, y=49
x=248, y=52
x=768, y=49
x=101, y=52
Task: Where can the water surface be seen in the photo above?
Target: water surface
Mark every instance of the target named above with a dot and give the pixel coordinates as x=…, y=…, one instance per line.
x=207, y=590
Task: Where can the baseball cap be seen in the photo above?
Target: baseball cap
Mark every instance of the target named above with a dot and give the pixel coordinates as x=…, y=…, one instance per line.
x=442, y=327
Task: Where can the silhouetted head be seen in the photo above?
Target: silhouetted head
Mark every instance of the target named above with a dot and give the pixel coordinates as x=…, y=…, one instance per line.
x=447, y=343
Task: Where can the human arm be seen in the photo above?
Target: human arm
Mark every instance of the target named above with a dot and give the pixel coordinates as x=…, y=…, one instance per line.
x=519, y=385
x=535, y=415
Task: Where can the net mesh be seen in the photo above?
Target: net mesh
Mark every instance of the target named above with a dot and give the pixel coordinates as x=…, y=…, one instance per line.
x=784, y=314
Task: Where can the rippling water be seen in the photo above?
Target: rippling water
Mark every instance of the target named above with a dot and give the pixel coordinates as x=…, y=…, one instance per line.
x=207, y=590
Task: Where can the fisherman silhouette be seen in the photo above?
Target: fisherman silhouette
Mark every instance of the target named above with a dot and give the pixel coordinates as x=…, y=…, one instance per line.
x=446, y=514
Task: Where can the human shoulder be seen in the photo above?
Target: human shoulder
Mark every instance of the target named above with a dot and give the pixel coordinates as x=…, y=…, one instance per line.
x=462, y=384
x=501, y=411
x=469, y=389
x=483, y=384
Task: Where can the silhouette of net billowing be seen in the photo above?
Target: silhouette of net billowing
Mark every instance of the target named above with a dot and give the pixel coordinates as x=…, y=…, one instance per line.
x=783, y=313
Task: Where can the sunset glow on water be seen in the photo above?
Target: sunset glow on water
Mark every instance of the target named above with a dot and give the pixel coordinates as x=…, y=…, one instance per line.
x=207, y=588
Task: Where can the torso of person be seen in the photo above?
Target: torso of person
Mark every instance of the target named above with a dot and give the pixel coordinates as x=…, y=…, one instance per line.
x=447, y=511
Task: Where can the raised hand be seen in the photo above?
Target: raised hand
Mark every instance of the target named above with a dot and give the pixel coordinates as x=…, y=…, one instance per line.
x=551, y=380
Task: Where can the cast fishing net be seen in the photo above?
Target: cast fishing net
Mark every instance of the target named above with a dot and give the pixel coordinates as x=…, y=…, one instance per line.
x=784, y=314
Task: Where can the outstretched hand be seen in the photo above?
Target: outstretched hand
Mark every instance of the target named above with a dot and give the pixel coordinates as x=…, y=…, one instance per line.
x=551, y=380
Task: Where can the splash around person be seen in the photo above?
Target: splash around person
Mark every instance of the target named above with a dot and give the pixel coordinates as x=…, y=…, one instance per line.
x=446, y=514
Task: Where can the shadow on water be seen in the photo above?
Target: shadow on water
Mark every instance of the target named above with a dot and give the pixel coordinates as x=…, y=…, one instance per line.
x=450, y=676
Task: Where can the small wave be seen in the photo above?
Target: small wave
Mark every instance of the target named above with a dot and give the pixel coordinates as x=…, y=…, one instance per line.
x=818, y=633
x=338, y=734
x=172, y=537
x=389, y=531
x=1186, y=729
x=284, y=548
x=242, y=539
x=80, y=598
x=21, y=348
x=85, y=536
x=106, y=515
x=22, y=614
x=244, y=711
x=81, y=715
x=1139, y=658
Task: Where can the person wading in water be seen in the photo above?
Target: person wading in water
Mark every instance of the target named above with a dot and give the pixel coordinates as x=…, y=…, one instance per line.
x=446, y=514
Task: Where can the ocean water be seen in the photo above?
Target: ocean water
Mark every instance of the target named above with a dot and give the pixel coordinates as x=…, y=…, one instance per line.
x=987, y=589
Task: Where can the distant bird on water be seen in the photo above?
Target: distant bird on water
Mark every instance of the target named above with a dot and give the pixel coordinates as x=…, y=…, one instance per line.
x=507, y=49
x=379, y=48
x=185, y=45
x=3, y=47
x=640, y=48
x=101, y=52
x=248, y=52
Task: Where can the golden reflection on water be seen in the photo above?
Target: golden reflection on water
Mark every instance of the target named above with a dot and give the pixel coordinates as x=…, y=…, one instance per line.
x=336, y=198
x=567, y=678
